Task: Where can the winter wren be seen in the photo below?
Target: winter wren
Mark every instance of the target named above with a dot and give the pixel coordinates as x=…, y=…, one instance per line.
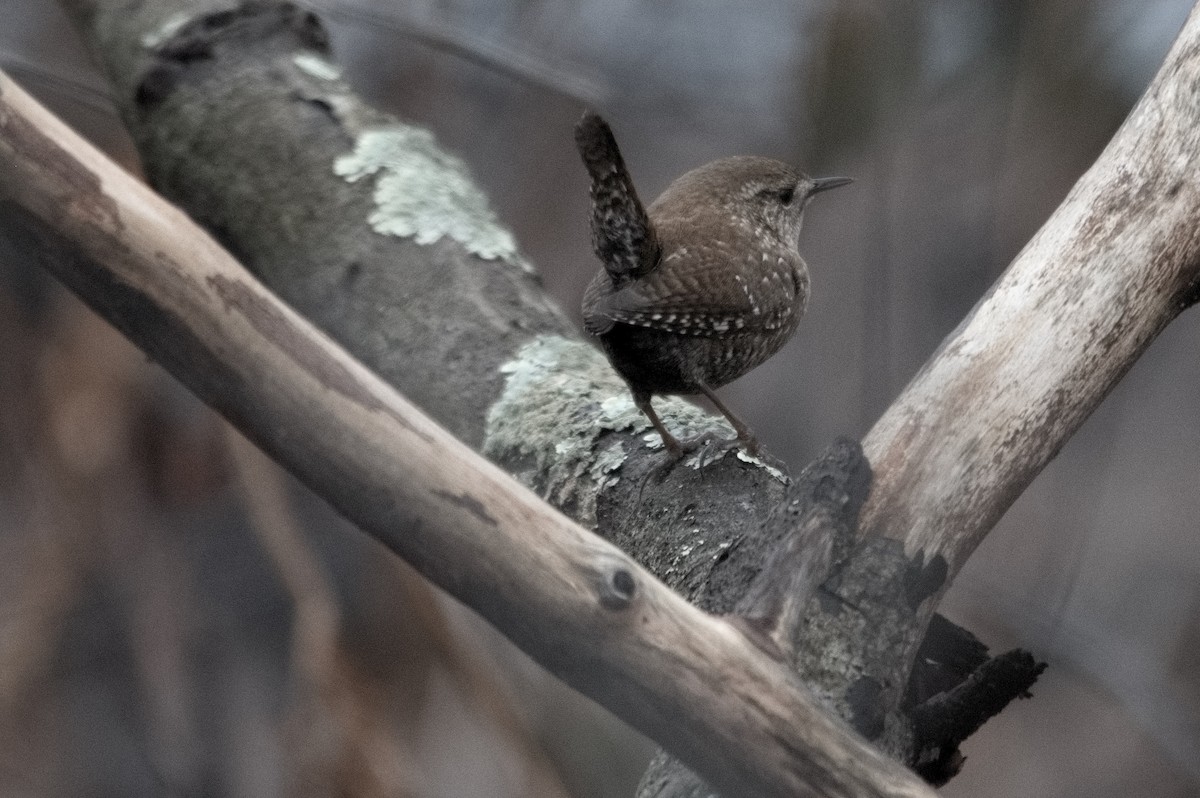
x=703, y=285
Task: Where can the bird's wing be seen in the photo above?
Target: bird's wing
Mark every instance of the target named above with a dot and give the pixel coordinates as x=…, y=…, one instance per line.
x=704, y=291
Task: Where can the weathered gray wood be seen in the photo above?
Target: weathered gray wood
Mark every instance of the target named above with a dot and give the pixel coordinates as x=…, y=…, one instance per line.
x=1113, y=266
x=577, y=604
x=1118, y=260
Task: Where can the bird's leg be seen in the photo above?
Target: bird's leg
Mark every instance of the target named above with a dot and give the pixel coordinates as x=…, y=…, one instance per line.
x=745, y=437
x=672, y=444
x=677, y=448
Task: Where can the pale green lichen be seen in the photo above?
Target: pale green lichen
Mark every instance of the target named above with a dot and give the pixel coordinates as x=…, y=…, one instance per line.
x=316, y=66
x=424, y=193
x=560, y=396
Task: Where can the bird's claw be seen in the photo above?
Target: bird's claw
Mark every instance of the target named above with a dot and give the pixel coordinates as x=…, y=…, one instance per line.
x=711, y=447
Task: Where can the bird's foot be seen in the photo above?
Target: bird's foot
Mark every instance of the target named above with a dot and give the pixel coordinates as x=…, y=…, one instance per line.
x=676, y=450
x=756, y=455
x=712, y=447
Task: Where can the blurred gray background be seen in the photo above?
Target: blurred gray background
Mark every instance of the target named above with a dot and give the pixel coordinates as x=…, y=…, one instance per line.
x=160, y=634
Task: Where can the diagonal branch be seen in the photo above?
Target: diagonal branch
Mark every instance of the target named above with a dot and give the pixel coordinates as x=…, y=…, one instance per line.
x=1111, y=268
x=1114, y=265
x=1118, y=260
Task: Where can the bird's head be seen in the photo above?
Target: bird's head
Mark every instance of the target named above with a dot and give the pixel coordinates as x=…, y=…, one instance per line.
x=767, y=194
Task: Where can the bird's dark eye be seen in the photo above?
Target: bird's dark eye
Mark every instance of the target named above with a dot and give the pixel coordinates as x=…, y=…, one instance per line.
x=786, y=195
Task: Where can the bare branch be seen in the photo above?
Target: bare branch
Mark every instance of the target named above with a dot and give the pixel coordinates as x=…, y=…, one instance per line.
x=1117, y=261
x=1113, y=266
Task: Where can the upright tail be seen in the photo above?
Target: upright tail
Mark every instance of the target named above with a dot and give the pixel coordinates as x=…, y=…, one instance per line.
x=622, y=235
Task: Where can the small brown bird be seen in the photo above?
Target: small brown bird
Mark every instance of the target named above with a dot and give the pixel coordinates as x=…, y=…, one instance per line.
x=705, y=284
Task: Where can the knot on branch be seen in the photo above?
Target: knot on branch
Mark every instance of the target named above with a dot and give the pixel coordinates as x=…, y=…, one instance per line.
x=618, y=588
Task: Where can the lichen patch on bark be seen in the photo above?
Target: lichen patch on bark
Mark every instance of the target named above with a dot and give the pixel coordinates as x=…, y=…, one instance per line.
x=424, y=193
x=560, y=399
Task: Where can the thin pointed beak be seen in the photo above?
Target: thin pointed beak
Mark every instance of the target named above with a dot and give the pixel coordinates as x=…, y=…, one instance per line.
x=825, y=183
